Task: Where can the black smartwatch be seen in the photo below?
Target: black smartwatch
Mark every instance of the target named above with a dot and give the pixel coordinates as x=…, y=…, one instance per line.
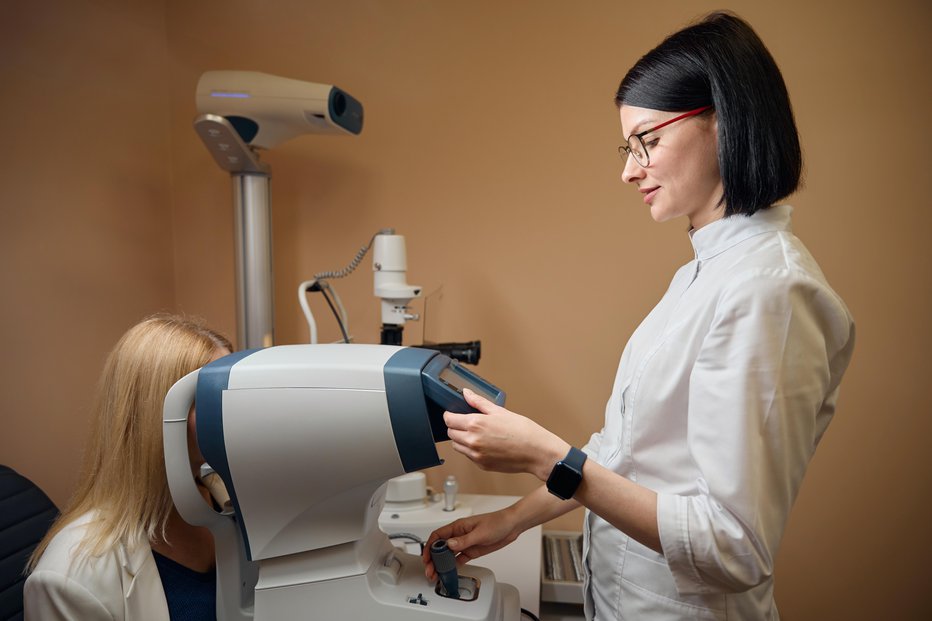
x=566, y=475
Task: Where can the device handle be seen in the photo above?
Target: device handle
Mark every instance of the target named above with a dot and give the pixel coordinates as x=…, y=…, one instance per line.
x=445, y=566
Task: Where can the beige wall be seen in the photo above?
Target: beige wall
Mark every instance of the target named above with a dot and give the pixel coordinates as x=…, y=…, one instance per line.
x=85, y=220
x=490, y=143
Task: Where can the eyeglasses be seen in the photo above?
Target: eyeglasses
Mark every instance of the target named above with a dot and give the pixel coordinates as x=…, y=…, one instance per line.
x=635, y=145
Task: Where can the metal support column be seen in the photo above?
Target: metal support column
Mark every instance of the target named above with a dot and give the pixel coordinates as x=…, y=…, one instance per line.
x=255, y=310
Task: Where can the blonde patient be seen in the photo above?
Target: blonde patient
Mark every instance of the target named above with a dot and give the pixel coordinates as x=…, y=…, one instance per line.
x=120, y=550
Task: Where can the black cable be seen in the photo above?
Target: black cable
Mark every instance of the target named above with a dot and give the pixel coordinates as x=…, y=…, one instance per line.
x=529, y=614
x=323, y=289
x=410, y=536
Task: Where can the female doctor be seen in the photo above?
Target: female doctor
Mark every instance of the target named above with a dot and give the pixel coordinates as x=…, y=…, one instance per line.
x=726, y=387
x=120, y=550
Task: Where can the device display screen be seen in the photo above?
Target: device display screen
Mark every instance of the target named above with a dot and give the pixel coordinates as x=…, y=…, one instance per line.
x=458, y=381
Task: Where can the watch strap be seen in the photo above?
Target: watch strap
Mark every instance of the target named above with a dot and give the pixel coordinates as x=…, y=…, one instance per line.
x=575, y=459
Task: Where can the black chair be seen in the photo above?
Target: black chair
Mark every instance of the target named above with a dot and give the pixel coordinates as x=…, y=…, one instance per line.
x=26, y=514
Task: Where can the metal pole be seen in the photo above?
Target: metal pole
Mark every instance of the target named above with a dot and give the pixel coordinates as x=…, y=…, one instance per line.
x=253, y=232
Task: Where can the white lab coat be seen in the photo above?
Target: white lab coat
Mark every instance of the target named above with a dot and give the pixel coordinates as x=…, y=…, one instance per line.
x=721, y=396
x=119, y=585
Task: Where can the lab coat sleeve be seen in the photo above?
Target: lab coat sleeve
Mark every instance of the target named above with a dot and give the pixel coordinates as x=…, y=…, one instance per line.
x=591, y=449
x=51, y=596
x=761, y=393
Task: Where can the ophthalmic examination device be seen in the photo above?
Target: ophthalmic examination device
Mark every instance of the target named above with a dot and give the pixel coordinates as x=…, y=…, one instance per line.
x=305, y=438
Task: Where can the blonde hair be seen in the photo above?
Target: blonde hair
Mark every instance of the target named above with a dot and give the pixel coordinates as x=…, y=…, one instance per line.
x=123, y=478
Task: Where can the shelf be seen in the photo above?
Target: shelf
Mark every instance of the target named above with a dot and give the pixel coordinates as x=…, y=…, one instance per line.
x=561, y=570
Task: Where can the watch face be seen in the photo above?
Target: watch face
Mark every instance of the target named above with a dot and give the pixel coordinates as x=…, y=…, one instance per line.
x=563, y=480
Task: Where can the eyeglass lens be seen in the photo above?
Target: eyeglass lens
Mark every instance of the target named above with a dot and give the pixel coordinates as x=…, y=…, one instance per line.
x=637, y=149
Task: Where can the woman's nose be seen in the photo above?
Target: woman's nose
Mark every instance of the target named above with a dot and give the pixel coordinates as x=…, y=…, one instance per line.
x=632, y=170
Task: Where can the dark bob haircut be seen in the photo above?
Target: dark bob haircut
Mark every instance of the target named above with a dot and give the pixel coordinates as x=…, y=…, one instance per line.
x=721, y=61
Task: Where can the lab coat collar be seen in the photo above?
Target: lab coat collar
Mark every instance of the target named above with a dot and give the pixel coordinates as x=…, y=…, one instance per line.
x=143, y=595
x=132, y=564
x=717, y=237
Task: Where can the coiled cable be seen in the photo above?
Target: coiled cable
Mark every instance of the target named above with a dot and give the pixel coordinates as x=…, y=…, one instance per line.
x=346, y=271
x=319, y=283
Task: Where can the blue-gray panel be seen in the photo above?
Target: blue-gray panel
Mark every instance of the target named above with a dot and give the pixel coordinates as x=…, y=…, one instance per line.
x=213, y=379
x=407, y=408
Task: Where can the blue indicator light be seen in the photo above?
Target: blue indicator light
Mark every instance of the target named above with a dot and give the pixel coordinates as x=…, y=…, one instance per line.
x=227, y=94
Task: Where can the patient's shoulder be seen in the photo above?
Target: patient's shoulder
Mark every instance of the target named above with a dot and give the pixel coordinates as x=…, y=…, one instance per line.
x=69, y=582
x=68, y=553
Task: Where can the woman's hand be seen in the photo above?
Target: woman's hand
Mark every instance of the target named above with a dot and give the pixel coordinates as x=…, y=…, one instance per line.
x=500, y=440
x=473, y=536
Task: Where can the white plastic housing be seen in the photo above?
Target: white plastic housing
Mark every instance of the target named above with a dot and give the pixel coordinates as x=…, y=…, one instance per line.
x=309, y=459
x=389, y=267
x=283, y=108
x=408, y=489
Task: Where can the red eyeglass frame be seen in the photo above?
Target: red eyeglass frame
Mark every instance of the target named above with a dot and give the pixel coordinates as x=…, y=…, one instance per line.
x=625, y=149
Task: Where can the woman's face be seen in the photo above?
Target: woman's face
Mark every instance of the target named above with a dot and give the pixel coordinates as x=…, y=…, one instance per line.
x=682, y=178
